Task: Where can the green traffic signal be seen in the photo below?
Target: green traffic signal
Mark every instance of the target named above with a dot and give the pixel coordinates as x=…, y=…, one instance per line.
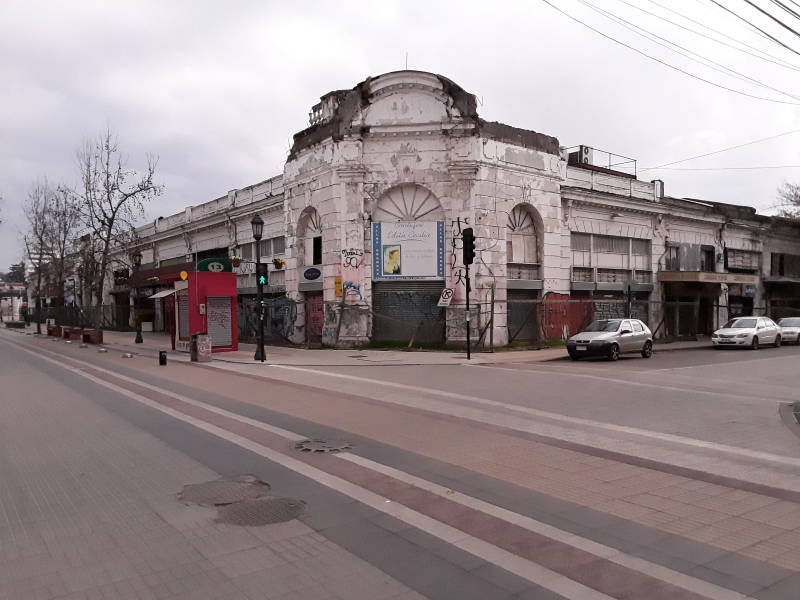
x=262, y=280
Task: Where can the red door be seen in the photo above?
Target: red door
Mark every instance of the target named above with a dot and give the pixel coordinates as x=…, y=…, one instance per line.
x=315, y=317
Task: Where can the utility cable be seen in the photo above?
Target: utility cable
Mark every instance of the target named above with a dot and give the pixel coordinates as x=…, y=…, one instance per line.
x=666, y=64
x=773, y=17
x=786, y=8
x=774, y=39
x=723, y=168
x=723, y=69
x=772, y=59
x=750, y=143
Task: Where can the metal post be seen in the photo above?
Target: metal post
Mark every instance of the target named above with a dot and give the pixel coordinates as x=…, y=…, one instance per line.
x=135, y=294
x=628, y=302
x=260, y=289
x=468, y=315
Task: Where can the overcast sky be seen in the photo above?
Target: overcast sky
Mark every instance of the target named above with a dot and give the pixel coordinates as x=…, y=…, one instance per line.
x=216, y=89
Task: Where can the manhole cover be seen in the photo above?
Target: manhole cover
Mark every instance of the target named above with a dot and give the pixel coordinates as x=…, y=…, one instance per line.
x=223, y=491
x=264, y=511
x=322, y=446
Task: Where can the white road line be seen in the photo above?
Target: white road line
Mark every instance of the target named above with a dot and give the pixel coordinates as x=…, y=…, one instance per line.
x=676, y=578
x=567, y=373
x=664, y=437
x=521, y=567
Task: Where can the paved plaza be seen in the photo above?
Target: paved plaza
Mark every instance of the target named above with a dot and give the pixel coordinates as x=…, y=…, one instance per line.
x=521, y=476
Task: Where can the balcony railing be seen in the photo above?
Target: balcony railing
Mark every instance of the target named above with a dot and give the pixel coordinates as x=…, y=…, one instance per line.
x=526, y=271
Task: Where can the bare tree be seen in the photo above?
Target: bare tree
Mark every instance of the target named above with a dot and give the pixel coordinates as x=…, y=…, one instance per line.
x=38, y=235
x=789, y=200
x=64, y=220
x=111, y=199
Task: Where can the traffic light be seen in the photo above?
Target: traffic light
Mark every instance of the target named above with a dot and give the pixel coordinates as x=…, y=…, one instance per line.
x=468, y=237
x=262, y=276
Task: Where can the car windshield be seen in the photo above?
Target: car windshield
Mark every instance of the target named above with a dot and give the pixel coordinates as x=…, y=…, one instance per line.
x=740, y=324
x=605, y=325
x=789, y=322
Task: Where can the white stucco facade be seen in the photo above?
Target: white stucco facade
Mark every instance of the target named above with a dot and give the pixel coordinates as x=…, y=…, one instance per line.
x=409, y=147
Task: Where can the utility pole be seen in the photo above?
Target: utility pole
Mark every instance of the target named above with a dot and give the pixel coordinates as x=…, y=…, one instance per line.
x=468, y=257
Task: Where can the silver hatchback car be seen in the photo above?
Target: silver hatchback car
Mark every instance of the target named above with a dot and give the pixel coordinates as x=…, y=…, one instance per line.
x=610, y=338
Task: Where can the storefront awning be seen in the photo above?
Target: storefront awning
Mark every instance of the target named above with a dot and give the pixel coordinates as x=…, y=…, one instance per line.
x=161, y=294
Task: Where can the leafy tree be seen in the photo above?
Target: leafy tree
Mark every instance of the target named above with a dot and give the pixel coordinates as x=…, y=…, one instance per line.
x=16, y=273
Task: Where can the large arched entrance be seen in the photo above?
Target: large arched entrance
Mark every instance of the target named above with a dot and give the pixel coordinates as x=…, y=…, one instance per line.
x=524, y=274
x=408, y=266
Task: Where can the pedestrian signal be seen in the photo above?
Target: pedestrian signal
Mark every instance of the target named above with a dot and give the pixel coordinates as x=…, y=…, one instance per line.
x=262, y=276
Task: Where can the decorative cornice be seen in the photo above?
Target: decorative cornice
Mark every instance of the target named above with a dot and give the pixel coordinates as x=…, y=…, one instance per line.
x=352, y=173
x=463, y=169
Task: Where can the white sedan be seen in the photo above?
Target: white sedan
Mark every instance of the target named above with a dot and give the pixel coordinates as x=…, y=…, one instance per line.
x=747, y=332
x=790, y=329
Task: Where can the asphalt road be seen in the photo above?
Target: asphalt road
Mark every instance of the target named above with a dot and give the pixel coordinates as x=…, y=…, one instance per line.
x=673, y=477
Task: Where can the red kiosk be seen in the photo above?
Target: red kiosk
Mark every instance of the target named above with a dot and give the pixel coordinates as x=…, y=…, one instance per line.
x=206, y=308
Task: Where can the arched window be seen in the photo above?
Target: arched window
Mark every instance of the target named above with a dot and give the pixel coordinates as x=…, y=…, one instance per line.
x=309, y=236
x=408, y=202
x=522, y=238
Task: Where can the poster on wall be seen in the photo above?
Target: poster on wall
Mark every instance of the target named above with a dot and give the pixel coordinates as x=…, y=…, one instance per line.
x=408, y=250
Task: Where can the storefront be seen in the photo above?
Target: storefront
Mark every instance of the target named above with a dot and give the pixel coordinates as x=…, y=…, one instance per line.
x=697, y=302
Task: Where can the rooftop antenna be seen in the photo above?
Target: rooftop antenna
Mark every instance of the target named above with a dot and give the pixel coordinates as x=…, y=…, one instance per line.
x=406, y=61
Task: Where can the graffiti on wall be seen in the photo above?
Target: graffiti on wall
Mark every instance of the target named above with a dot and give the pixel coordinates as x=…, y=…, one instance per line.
x=352, y=257
x=352, y=290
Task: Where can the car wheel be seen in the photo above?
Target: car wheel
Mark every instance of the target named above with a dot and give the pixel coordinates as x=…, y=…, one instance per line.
x=777, y=341
x=613, y=352
x=754, y=343
x=647, y=350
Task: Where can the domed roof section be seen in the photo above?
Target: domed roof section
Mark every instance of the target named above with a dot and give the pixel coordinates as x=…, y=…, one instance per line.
x=401, y=100
x=399, y=97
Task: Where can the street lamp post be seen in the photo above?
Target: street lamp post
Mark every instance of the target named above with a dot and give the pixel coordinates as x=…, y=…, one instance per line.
x=136, y=257
x=257, y=223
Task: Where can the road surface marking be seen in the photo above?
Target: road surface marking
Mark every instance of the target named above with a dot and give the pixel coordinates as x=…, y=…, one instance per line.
x=687, y=582
x=521, y=567
x=664, y=437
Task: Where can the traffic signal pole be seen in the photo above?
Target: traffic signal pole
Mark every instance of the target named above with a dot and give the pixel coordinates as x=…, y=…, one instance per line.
x=468, y=315
x=260, y=288
x=468, y=257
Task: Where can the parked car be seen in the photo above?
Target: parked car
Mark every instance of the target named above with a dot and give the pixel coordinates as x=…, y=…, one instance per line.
x=747, y=332
x=610, y=338
x=790, y=329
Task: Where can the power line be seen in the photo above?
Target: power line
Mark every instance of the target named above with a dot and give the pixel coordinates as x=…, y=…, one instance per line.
x=666, y=64
x=777, y=61
x=758, y=141
x=774, y=39
x=773, y=17
x=722, y=69
x=724, y=168
x=786, y=8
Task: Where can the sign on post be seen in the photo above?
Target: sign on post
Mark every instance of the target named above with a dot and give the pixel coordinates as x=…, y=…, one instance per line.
x=446, y=297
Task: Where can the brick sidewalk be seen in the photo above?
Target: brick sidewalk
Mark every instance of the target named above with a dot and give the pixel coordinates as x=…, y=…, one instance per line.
x=89, y=511
x=283, y=355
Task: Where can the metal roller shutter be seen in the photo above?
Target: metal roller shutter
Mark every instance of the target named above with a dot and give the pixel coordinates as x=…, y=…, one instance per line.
x=405, y=308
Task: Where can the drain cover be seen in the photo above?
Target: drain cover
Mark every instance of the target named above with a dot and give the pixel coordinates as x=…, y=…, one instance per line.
x=264, y=511
x=223, y=491
x=322, y=446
